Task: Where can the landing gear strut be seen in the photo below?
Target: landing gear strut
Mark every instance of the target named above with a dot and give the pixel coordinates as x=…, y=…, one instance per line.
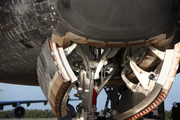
x=136, y=79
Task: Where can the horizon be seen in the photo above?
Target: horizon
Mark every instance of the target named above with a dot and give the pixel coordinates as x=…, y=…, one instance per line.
x=14, y=92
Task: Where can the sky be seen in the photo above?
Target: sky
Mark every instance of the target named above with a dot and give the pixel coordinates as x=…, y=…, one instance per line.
x=20, y=92
x=13, y=92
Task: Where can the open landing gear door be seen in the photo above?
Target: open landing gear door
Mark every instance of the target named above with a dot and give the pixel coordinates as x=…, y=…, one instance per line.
x=136, y=79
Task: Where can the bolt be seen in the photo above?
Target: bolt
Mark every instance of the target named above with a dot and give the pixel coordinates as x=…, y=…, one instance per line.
x=151, y=76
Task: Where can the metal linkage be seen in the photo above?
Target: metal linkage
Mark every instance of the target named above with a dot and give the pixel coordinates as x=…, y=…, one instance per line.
x=157, y=52
x=130, y=65
x=101, y=62
x=91, y=73
x=162, y=77
x=87, y=63
x=114, y=94
x=69, y=49
x=143, y=76
x=106, y=80
x=128, y=83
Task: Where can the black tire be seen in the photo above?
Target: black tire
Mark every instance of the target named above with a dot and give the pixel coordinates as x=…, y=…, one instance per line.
x=117, y=20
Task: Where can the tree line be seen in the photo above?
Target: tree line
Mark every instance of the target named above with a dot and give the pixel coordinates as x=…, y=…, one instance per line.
x=49, y=114
x=29, y=114
x=168, y=114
